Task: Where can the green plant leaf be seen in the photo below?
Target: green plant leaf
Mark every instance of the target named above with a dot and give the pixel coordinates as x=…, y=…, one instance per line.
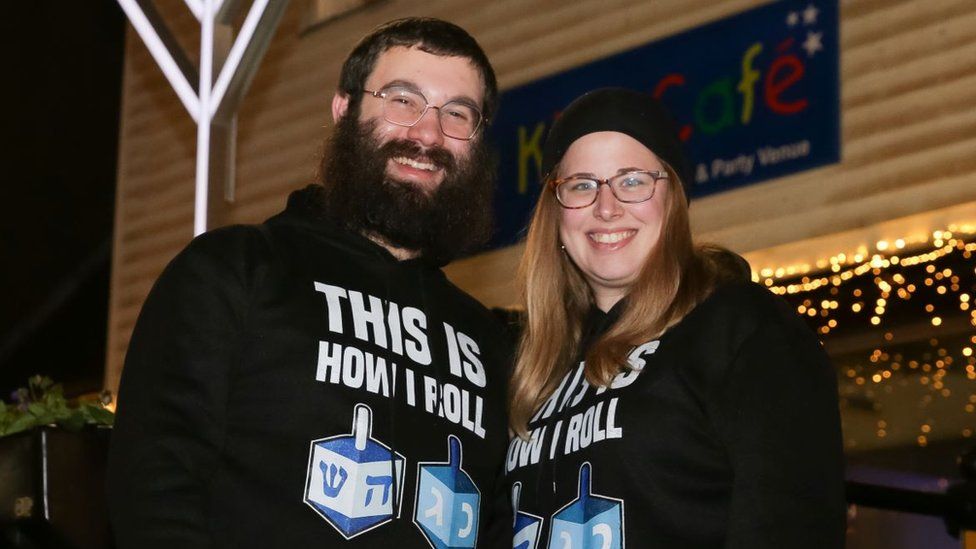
x=46, y=419
x=22, y=423
x=102, y=416
x=37, y=409
x=73, y=422
x=45, y=405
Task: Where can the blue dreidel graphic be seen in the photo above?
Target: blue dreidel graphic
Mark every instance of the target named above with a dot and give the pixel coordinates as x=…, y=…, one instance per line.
x=354, y=481
x=527, y=527
x=448, y=502
x=588, y=522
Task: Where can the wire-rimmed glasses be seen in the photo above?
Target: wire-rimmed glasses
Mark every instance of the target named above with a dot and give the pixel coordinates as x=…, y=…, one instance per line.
x=405, y=107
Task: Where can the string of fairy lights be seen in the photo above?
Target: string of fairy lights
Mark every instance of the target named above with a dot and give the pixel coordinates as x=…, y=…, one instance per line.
x=899, y=314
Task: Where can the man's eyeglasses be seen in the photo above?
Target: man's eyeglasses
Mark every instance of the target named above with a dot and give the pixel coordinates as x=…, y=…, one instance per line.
x=630, y=187
x=405, y=107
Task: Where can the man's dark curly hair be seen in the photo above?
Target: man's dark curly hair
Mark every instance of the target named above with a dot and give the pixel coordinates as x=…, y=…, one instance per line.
x=430, y=35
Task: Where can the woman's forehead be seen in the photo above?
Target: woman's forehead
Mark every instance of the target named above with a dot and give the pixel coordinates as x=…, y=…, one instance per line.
x=607, y=150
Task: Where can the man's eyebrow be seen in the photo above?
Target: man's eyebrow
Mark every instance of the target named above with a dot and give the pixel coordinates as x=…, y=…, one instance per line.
x=464, y=100
x=401, y=84
x=412, y=86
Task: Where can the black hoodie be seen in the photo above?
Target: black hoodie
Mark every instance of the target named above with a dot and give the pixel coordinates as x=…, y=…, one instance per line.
x=293, y=384
x=724, y=432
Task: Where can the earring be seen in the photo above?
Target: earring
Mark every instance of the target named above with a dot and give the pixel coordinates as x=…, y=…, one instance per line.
x=562, y=247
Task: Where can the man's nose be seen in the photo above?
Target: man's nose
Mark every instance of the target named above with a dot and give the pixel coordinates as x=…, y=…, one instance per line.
x=427, y=130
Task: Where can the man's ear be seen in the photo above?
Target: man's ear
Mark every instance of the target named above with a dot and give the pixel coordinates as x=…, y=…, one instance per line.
x=340, y=103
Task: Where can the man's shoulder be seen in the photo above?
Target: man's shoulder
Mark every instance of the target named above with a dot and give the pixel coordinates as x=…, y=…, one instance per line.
x=463, y=299
x=232, y=241
x=229, y=251
x=476, y=312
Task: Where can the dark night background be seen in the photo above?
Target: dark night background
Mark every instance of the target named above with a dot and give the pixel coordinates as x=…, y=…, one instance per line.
x=62, y=61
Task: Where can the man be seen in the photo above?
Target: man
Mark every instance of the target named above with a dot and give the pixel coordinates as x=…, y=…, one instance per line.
x=315, y=381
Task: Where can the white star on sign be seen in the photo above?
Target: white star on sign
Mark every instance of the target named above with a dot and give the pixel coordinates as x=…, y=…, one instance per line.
x=810, y=15
x=793, y=18
x=813, y=43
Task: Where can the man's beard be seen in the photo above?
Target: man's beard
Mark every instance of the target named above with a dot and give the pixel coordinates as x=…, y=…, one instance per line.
x=441, y=224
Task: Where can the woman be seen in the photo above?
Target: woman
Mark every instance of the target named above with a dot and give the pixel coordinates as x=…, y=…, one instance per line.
x=660, y=398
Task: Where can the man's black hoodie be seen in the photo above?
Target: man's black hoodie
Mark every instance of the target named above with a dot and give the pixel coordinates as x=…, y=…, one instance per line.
x=292, y=384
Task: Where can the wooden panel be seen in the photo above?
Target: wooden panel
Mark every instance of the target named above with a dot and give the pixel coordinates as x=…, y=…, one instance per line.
x=909, y=133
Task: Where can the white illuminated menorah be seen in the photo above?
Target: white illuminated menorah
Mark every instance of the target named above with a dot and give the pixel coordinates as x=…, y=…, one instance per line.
x=212, y=102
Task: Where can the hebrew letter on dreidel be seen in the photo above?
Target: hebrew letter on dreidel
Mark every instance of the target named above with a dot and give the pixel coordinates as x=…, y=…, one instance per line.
x=333, y=479
x=385, y=481
x=605, y=534
x=437, y=509
x=465, y=530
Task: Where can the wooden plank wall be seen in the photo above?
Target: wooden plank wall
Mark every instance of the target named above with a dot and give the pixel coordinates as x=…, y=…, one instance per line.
x=909, y=130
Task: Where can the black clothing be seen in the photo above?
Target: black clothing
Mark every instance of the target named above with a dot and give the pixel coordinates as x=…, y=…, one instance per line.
x=294, y=385
x=725, y=433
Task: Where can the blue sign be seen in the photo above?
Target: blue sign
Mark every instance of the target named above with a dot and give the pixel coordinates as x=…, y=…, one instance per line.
x=353, y=481
x=448, y=502
x=756, y=96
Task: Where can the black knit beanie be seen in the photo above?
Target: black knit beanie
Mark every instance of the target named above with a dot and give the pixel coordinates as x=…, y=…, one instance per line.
x=629, y=112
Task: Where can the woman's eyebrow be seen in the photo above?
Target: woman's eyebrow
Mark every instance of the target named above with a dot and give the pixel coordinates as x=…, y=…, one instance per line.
x=580, y=174
x=619, y=171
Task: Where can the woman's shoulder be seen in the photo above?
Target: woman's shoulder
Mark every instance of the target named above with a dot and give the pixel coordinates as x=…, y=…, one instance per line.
x=743, y=299
x=734, y=311
x=741, y=319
